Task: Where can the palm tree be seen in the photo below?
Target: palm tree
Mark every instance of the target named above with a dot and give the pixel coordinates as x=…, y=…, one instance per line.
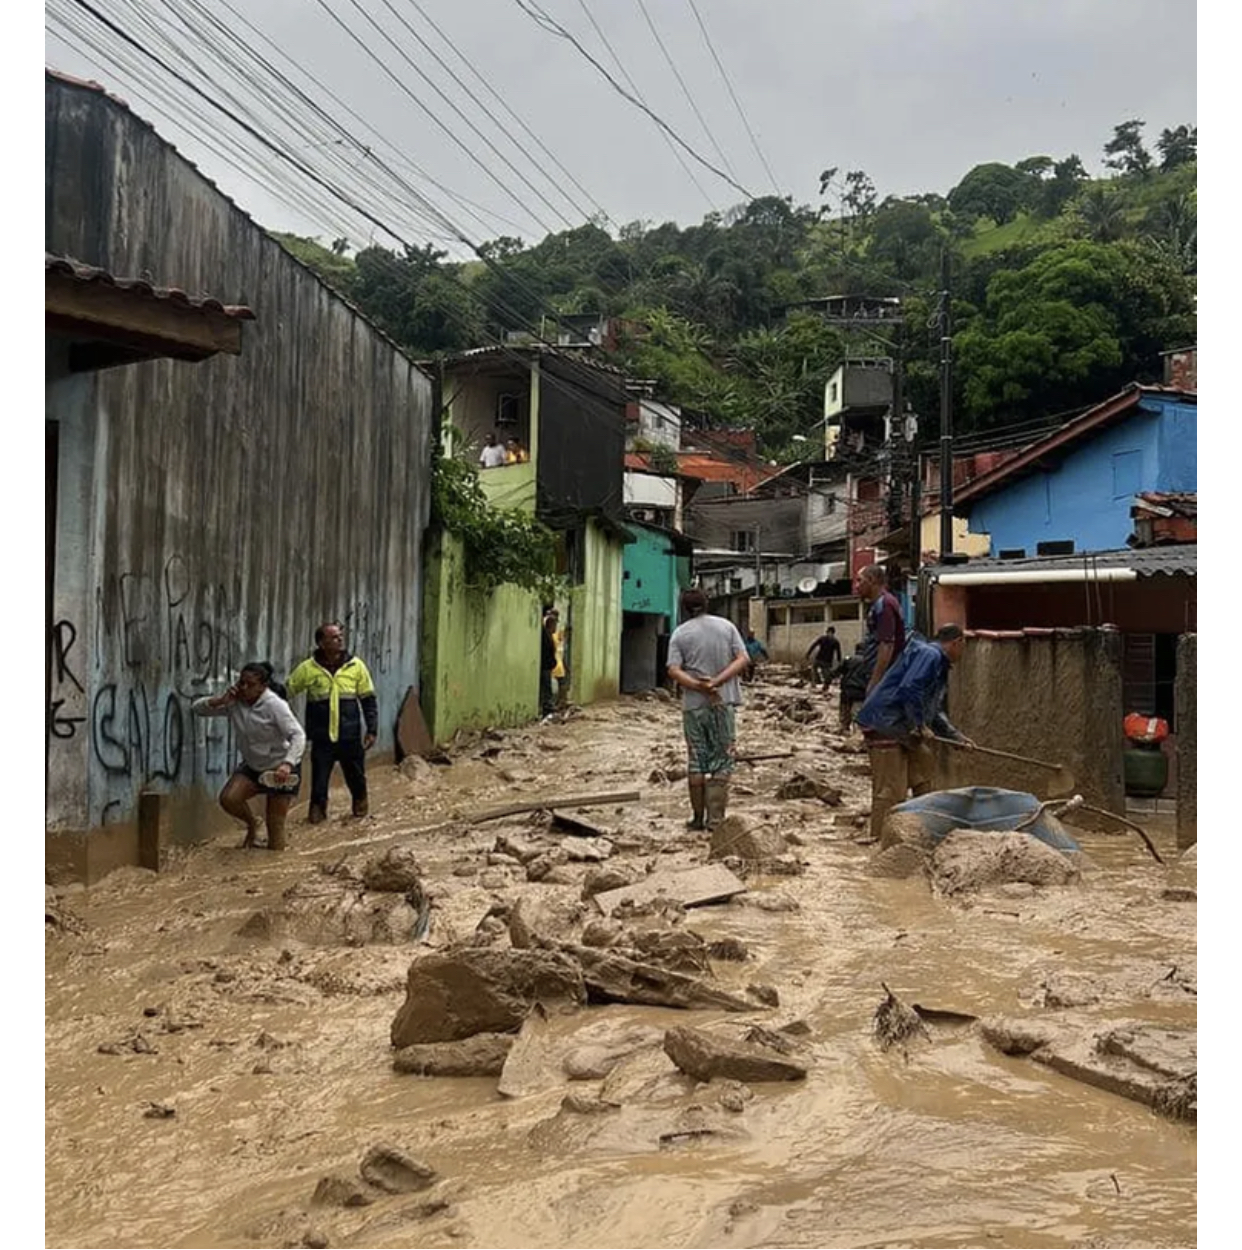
x=1102, y=216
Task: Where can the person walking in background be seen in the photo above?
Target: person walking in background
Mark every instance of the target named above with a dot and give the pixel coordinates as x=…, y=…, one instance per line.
x=706, y=656
x=903, y=715
x=547, y=661
x=493, y=454
x=755, y=652
x=885, y=634
x=342, y=718
x=827, y=652
x=271, y=743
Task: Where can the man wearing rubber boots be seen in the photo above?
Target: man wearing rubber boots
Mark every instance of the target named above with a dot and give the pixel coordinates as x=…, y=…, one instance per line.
x=903, y=715
x=342, y=718
x=706, y=657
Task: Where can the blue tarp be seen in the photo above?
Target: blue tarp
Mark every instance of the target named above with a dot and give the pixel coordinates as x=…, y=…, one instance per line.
x=984, y=808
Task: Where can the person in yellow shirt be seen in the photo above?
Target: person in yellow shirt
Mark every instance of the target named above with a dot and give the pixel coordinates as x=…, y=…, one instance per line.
x=342, y=718
x=515, y=453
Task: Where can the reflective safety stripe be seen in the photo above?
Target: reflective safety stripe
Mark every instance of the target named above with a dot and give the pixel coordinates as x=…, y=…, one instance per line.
x=351, y=680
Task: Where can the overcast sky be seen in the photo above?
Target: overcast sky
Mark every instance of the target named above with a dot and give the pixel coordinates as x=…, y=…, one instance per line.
x=915, y=92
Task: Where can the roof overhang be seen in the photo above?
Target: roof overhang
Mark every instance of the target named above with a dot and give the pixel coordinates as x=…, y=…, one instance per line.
x=116, y=324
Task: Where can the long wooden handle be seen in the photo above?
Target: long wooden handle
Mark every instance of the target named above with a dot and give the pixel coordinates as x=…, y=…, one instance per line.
x=1004, y=755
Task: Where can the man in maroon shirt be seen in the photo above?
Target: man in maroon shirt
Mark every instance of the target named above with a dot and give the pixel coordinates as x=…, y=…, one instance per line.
x=885, y=635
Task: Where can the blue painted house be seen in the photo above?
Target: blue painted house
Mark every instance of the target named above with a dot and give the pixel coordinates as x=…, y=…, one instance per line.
x=1078, y=484
x=655, y=570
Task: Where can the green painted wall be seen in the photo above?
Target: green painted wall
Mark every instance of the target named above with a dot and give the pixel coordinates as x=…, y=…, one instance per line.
x=480, y=652
x=650, y=574
x=595, y=645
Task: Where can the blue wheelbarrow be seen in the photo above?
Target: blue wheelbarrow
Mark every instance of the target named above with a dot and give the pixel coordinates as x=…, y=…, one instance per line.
x=985, y=808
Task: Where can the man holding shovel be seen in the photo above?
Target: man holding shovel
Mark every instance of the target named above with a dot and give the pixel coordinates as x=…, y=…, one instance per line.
x=903, y=714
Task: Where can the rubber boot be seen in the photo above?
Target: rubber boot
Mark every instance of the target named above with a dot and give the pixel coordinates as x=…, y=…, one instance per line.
x=717, y=800
x=361, y=807
x=316, y=815
x=697, y=803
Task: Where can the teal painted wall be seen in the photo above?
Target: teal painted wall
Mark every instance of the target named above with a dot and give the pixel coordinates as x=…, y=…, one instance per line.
x=595, y=621
x=650, y=574
x=480, y=651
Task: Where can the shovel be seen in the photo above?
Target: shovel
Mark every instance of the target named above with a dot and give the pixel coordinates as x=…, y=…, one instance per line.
x=1062, y=779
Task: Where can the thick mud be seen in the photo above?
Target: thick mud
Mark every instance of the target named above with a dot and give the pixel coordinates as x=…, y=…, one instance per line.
x=216, y=1047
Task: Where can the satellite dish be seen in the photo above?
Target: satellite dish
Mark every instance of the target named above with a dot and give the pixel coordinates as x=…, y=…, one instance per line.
x=807, y=585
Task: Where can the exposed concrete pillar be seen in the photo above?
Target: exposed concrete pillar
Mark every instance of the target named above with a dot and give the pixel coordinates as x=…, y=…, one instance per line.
x=1187, y=741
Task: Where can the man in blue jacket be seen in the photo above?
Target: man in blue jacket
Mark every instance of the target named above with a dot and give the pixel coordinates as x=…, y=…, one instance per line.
x=903, y=715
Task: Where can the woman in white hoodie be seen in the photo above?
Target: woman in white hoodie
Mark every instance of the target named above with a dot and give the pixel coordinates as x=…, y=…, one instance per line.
x=271, y=742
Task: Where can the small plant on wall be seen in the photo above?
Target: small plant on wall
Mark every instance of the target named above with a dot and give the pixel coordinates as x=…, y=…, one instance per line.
x=502, y=545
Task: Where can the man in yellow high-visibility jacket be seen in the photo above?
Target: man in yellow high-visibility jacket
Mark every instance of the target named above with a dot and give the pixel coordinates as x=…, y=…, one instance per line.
x=342, y=717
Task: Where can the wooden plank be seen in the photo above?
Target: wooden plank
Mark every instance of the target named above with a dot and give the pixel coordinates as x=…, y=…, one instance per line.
x=413, y=737
x=539, y=805
x=691, y=887
x=150, y=829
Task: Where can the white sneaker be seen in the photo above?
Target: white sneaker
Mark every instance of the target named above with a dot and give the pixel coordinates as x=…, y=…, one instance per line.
x=272, y=782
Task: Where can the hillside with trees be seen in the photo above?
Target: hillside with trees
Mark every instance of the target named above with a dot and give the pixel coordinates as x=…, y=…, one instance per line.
x=1065, y=288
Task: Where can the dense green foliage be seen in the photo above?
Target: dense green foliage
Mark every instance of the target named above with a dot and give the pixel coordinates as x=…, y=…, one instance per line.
x=1064, y=288
x=502, y=545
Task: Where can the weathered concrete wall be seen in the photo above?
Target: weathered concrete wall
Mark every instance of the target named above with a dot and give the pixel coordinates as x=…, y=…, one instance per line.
x=1187, y=741
x=480, y=652
x=1052, y=697
x=595, y=620
x=210, y=513
x=791, y=626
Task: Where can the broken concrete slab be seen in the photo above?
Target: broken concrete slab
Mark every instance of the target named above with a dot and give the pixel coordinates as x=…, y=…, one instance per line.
x=454, y=995
x=693, y=887
x=524, y=1071
x=483, y=1054
x=394, y=1171
x=706, y=1056
x=585, y=850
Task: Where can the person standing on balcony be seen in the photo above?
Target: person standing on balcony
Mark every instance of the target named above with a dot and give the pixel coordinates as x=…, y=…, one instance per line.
x=515, y=453
x=493, y=454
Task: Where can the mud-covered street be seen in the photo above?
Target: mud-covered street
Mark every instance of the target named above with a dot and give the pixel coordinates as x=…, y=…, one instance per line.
x=218, y=1037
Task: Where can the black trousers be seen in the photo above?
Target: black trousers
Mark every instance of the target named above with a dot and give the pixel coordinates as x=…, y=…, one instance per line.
x=353, y=761
x=547, y=703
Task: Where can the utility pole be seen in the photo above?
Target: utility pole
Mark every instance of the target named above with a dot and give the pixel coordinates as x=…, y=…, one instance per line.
x=758, y=571
x=946, y=408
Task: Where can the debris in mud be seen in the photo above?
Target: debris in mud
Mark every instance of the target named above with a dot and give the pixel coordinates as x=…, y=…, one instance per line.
x=899, y=862
x=693, y=887
x=341, y=1191
x=159, y=1111
x=59, y=917
x=705, y=1056
x=328, y=910
x=734, y=1096
x=967, y=860
x=772, y=901
x=801, y=786
x=542, y=866
x=394, y=1171
x=609, y=880
x=519, y=852
x=766, y=994
x=134, y=1044
x=594, y=1063
x=728, y=950
x=612, y=978
x=680, y=950
x=577, y=826
x=397, y=871
x=755, y=843
x=895, y=1023
x=484, y=1054
x=1144, y=1062
x=454, y=995
x=601, y=933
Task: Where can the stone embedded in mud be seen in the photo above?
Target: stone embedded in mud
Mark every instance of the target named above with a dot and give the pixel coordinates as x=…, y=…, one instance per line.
x=766, y=994
x=394, y=1171
x=330, y=911
x=734, y=836
x=729, y=950
x=897, y=863
x=341, y=1191
x=483, y=1054
x=613, y=978
x=967, y=860
x=520, y=851
x=614, y=877
x=454, y=995
x=601, y=933
x=397, y=871
x=540, y=868
x=1015, y=1037
x=734, y=1096
x=706, y=1056
x=678, y=949
x=800, y=786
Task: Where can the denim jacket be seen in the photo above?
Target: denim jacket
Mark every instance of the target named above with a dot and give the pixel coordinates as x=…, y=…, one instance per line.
x=911, y=695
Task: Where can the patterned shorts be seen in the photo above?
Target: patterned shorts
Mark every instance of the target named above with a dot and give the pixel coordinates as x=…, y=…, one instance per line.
x=709, y=739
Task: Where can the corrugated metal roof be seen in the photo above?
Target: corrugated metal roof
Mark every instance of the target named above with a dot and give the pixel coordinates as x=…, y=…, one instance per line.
x=92, y=275
x=1173, y=560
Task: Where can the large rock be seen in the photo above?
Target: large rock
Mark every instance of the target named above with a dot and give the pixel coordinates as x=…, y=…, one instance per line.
x=453, y=995
x=734, y=836
x=483, y=1054
x=707, y=1056
x=967, y=860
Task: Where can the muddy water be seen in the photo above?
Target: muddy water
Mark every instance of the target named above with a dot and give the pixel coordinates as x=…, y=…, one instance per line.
x=274, y=1056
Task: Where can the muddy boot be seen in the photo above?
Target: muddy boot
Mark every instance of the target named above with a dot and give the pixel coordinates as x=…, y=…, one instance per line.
x=717, y=800
x=697, y=804
x=360, y=807
x=316, y=815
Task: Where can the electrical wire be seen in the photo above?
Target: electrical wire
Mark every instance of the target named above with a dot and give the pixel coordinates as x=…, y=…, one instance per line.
x=707, y=39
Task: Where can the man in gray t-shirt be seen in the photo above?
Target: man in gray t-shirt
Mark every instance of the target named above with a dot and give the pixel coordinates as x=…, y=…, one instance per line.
x=706, y=656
